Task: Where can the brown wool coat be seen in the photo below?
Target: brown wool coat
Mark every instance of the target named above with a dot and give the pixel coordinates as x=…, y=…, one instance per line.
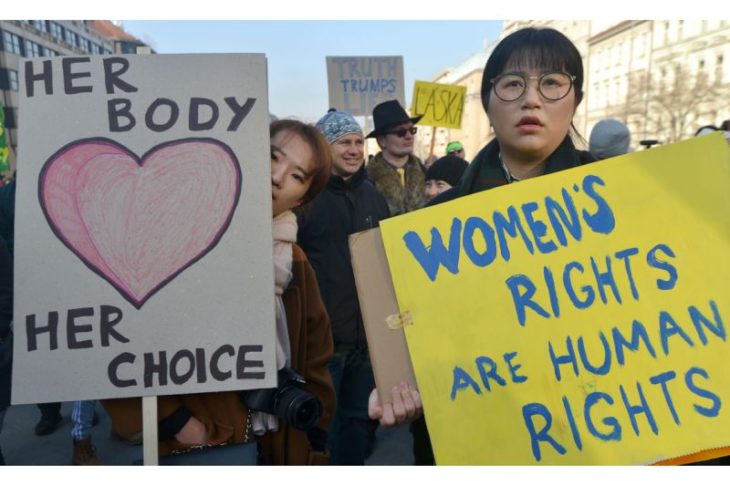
x=400, y=199
x=222, y=412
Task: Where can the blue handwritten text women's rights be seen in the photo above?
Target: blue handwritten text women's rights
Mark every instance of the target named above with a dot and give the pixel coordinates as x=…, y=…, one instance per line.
x=567, y=220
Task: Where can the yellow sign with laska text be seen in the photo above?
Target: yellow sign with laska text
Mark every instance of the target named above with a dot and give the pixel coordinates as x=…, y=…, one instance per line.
x=442, y=105
x=576, y=318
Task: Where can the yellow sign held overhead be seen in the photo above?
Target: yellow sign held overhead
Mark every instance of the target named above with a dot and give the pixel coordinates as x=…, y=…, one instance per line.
x=442, y=105
x=576, y=318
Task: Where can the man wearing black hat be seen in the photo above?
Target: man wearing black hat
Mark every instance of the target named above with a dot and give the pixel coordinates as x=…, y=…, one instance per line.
x=396, y=172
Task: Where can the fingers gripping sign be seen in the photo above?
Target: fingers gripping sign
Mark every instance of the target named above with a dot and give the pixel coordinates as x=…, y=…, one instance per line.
x=405, y=406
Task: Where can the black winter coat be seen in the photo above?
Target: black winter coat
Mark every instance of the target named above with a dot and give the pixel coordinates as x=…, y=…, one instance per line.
x=343, y=208
x=6, y=315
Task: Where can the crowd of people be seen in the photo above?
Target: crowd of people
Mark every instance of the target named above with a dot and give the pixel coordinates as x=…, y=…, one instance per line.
x=322, y=192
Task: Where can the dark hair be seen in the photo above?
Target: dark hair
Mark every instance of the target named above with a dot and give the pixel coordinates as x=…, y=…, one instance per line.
x=448, y=168
x=321, y=153
x=545, y=48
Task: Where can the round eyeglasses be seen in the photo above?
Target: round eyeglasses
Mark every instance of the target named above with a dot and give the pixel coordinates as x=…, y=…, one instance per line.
x=551, y=86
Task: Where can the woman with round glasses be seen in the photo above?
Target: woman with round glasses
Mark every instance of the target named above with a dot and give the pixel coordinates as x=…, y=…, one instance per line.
x=531, y=87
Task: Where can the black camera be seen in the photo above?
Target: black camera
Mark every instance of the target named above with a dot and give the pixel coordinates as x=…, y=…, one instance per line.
x=289, y=401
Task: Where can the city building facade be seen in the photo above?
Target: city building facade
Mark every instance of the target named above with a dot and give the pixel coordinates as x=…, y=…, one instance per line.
x=663, y=78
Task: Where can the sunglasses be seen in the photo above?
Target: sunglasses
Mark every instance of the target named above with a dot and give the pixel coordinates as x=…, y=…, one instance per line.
x=401, y=132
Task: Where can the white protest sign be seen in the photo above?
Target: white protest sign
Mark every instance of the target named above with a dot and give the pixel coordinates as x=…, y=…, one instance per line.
x=143, y=261
x=357, y=84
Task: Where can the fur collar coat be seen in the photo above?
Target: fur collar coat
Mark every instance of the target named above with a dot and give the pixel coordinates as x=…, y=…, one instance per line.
x=401, y=199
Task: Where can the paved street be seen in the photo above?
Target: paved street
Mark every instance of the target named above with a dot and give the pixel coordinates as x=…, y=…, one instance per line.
x=22, y=447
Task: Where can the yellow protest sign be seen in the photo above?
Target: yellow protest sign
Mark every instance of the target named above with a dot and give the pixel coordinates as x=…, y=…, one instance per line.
x=442, y=105
x=575, y=318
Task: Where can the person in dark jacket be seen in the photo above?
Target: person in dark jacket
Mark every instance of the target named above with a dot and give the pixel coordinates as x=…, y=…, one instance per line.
x=531, y=88
x=6, y=342
x=349, y=204
x=7, y=215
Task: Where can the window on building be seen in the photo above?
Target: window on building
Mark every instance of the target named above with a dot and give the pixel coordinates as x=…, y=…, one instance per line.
x=593, y=101
x=71, y=37
x=55, y=29
x=13, y=83
x=32, y=49
x=12, y=43
x=129, y=48
x=11, y=119
x=84, y=44
x=718, y=68
x=50, y=52
x=39, y=24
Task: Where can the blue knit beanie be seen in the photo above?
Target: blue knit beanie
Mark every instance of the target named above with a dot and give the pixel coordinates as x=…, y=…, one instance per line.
x=336, y=124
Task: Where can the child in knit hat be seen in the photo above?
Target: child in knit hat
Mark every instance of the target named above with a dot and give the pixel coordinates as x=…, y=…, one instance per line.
x=444, y=174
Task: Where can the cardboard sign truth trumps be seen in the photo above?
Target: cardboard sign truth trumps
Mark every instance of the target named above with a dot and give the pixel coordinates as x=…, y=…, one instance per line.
x=357, y=84
x=143, y=261
x=576, y=318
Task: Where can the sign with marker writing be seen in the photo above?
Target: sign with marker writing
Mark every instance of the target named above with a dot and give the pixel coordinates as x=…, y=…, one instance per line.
x=143, y=262
x=357, y=84
x=442, y=105
x=579, y=317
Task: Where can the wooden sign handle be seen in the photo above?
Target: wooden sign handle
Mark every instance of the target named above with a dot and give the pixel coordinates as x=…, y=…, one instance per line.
x=149, y=431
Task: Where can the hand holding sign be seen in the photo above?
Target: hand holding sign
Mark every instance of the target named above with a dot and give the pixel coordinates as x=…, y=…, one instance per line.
x=406, y=405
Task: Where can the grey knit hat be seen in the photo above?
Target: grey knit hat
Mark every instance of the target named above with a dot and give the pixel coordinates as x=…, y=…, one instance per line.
x=336, y=124
x=609, y=138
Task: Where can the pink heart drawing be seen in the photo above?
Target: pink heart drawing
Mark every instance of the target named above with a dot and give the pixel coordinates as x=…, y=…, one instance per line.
x=139, y=222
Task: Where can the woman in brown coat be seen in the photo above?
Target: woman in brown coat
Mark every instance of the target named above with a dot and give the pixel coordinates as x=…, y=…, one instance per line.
x=300, y=167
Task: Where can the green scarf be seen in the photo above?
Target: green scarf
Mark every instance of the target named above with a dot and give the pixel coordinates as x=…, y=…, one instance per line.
x=485, y=171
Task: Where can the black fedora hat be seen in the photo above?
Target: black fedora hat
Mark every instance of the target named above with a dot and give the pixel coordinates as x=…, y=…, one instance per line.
x=387, y=114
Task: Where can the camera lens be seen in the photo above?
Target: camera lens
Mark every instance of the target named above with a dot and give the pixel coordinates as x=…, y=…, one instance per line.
x=299, y=408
